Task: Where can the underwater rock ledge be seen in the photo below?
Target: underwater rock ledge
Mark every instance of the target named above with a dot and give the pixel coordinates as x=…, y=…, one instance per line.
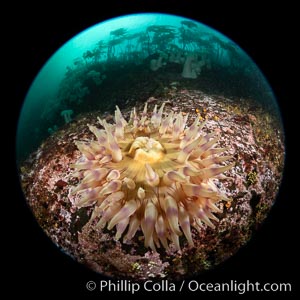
x=255, y=140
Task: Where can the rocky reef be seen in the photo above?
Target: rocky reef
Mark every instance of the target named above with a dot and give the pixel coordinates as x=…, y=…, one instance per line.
x=254, y=138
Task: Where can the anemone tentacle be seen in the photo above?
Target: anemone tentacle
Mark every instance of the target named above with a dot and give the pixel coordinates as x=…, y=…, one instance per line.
x=152, y=173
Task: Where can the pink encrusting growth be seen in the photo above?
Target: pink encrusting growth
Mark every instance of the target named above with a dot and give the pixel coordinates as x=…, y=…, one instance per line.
x=153, y=174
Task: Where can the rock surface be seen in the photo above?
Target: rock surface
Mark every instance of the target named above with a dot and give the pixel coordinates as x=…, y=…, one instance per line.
x=255, y=140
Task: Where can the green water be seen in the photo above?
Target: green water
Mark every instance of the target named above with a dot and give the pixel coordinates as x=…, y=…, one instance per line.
x=74, y=78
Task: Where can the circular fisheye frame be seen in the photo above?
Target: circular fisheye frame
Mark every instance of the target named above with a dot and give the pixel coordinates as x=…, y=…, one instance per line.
x=150, y=146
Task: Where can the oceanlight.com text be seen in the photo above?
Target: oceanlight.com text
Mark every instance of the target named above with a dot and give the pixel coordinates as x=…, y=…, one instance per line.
x=191, y=285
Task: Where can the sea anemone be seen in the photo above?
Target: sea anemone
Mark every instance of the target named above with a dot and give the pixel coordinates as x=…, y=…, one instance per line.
x=150, y=173
x=66, y=114
x=189, y=67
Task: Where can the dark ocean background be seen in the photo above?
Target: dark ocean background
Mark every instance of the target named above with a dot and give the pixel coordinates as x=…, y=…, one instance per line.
x=130, y=57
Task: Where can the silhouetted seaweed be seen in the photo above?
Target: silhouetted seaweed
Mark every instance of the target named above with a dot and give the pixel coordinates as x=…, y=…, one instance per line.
x=214, y=56
x=188, y=24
